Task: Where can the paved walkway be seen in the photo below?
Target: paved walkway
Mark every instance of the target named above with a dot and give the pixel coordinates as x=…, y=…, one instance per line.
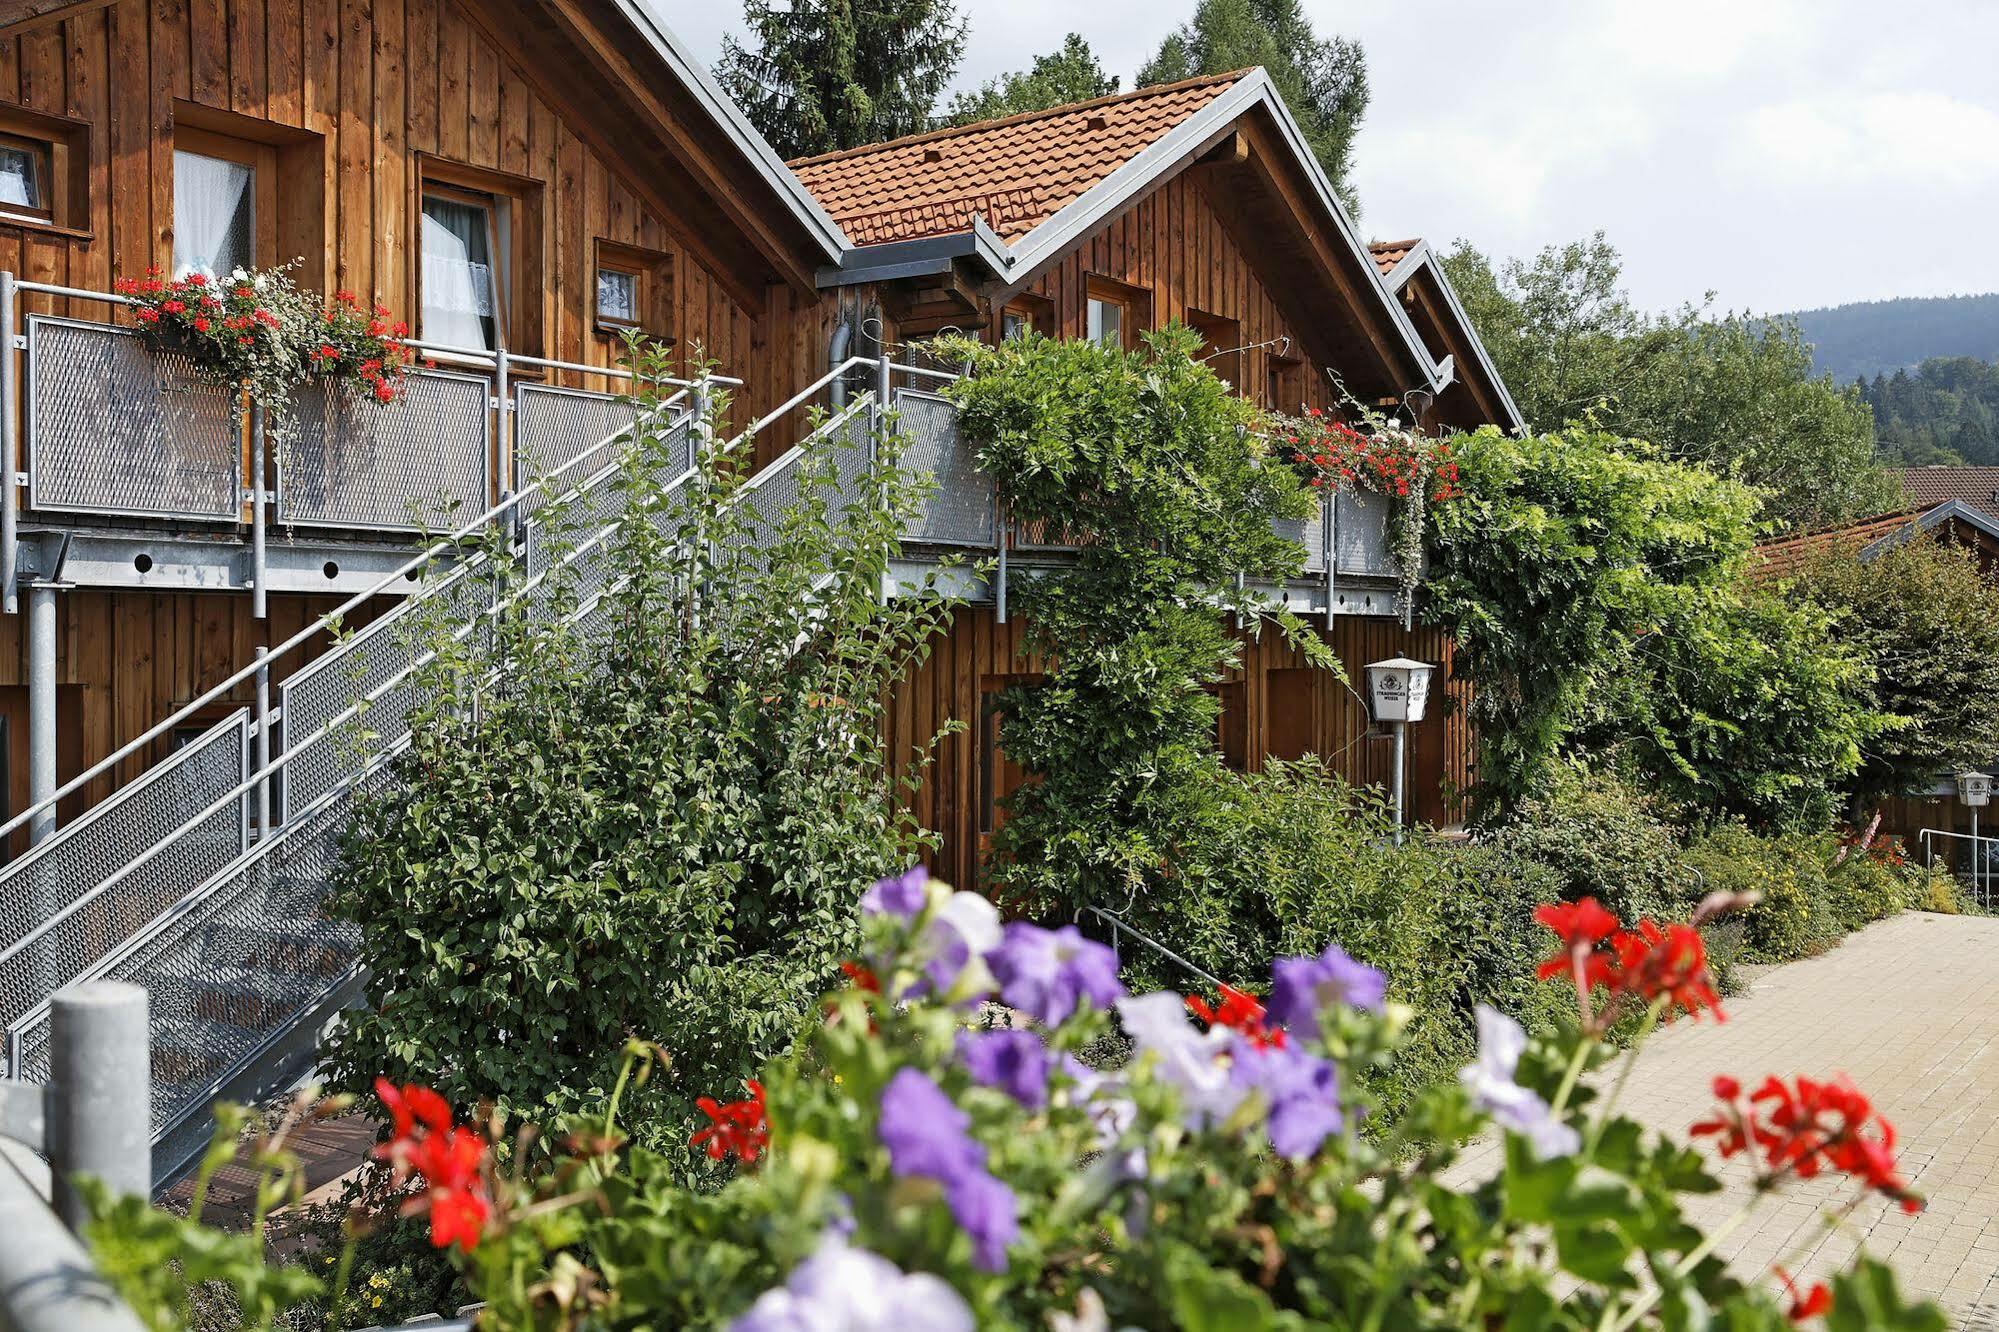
x=1909, y=1008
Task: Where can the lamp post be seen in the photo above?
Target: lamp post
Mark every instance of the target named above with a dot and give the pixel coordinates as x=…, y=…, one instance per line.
x=1974, y=789
x=1399, y=688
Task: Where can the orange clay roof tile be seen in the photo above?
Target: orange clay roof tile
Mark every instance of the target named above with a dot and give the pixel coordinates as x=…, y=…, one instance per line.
x=1387, y=254
x=1780, y=559
x=1931, y=486
x=1016, y=173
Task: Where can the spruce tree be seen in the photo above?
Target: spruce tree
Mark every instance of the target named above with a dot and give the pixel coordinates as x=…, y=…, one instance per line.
x=1323, y=79
x=1070, y=73
x=821, y=75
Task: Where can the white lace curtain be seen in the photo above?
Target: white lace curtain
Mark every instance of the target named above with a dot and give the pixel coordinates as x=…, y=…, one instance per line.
x=18, y=185
x=215, y=215
x=458, y=304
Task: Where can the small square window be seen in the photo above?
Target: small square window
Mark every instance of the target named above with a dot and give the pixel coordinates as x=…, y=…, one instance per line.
x=617, y=297
x=1106, y=322
x=1014, y=325
x=24, y=177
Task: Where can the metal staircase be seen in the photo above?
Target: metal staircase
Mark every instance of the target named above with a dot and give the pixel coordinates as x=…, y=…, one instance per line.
x=171, y=883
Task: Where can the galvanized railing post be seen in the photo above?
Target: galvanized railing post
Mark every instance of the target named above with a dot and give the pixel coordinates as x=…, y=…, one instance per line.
x=1001, y=525
x=41, y=710
x=259, y=569
x=506, y=447
x=10, y=451
x=263, y=741
x=1329, y=540
x=100, y=1117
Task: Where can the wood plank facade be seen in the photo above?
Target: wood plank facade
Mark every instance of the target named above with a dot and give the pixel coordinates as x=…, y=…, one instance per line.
x=352, y=112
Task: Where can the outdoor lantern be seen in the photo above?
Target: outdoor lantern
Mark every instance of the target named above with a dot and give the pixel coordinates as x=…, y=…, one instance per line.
x=1400, y=689
x=1974, y=788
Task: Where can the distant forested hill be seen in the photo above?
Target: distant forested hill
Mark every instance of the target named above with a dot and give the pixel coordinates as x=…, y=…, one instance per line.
x=1944, y=411
x=1873, y=338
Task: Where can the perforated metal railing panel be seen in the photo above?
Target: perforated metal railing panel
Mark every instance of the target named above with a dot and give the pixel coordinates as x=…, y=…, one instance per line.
x=238, y=965
x=180, y=803
x=779, y=488
x=345, y=460
x=113, y=428
x=960, y=511
x=556, y=426
x=361, y=694
x=1309, y=533
x=1360, y=534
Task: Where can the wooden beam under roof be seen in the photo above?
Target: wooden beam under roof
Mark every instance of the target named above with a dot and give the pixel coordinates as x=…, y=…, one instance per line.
x=19, y=16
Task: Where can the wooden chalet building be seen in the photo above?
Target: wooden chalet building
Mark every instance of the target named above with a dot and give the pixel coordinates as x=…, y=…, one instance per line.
x=1197, y=202
x=539, y=175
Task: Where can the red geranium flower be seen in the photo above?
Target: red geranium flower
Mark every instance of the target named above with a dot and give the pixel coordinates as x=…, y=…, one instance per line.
x=738, y=1128
x=201, y=323
x=384, y=390
x=450, y=1160
x=1239, y=1012
x=173, y=307
x=1804, y=1128
x=1815, y=1303
x=1580, y=927
x=1671, y=962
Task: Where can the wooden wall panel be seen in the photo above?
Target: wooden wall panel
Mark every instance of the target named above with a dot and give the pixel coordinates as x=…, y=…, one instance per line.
x=381, y=81
x=977, y=652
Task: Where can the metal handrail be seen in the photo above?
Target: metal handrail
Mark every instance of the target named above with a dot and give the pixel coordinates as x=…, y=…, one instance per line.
x=331, y=619
x=106, y=961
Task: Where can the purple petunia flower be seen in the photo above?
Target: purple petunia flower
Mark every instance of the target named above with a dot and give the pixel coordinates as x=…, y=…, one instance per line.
x=925, y=1136
x=1016, y=1062
x=1303, y=986
x=900, y=895
x=986, y=1210
x=1501, y=1041
x=852, y=1289
x=1301, y=1090
x=924, y=1130
x=1194, y=1062
x=1047, y=973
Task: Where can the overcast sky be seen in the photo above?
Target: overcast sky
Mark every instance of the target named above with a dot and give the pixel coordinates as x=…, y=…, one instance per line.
x=1783, y=154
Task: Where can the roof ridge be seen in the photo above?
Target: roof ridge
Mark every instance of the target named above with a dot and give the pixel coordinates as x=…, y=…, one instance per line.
x=1409, y=244
x=1913, y=512
x=1020, y=118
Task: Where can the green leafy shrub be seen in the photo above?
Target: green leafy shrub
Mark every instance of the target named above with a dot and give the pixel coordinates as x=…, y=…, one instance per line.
x=1601, y=837
x=650, y=827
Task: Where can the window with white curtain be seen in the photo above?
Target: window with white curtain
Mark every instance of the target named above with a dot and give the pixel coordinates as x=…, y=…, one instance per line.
x=1106, y=322
x=215, y=214
x=24, y=177
x=461, y=293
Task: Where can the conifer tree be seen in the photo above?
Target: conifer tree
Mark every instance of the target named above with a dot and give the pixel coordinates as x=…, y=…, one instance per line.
x=1070, y=73
x=820, y=75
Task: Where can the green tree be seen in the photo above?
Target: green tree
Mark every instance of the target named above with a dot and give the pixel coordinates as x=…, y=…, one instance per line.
x=1070, y=73
x=1729, y=391
x=1926, y=618
x=821, y=75
x=1323, y=79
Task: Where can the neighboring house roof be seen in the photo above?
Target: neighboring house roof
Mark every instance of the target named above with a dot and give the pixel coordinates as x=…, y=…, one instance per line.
x=1868, y=537
x=1015, y=173
x=1976, y=486
x=1016, y=193
x=1400, y=262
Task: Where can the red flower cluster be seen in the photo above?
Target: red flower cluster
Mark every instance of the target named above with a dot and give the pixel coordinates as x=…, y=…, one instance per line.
x=1807, y=1127
x=1647, y=964
x=450, y=1160
x=1330, y=453
x=1815, y=1303
x=1238, y=1011
x=738, y=1128
x=367, y=347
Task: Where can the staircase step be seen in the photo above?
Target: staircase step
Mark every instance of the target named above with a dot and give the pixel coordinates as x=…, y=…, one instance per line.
x=196, y=1049
x=243, y=996
x=313, y=947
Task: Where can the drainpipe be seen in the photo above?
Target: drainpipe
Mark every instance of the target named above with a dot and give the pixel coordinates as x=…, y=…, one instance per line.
x=836, y=352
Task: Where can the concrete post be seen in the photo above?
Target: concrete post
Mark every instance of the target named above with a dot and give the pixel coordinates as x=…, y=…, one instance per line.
x=47, y=1283
x=100, y=1122
x=41, y=708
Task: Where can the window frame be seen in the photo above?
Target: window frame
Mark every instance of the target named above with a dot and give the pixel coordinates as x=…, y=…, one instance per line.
x=652, y=294
x=520, y=255
x=1036, y=313
x=497, y=231
x=62, y=146
x=262, y=159
x=42, y=153
x=1232, y=358
x=1135, y=303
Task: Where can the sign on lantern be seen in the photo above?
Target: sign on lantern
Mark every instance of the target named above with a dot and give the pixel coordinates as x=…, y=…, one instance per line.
x=1400, y=689
x=1974, y=788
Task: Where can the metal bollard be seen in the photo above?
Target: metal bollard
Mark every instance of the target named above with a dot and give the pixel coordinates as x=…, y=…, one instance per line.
x=101, y=1097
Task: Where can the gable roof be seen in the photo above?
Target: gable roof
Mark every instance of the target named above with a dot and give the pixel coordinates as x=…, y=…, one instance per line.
x=1868, y=537
x=1146, y=137
x=1015, y=173
x=1975, y=486
x=1400, y=262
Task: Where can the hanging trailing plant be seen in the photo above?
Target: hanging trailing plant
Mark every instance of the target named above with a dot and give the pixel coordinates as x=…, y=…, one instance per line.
x=257, y=329
x=1382, y=458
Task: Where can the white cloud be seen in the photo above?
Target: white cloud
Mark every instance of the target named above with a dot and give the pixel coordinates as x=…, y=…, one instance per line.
x=1775, y=151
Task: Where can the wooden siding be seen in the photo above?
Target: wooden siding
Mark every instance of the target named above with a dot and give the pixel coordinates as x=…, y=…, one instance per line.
x=384, y=84
x=977, y=653
x=1172, y=244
